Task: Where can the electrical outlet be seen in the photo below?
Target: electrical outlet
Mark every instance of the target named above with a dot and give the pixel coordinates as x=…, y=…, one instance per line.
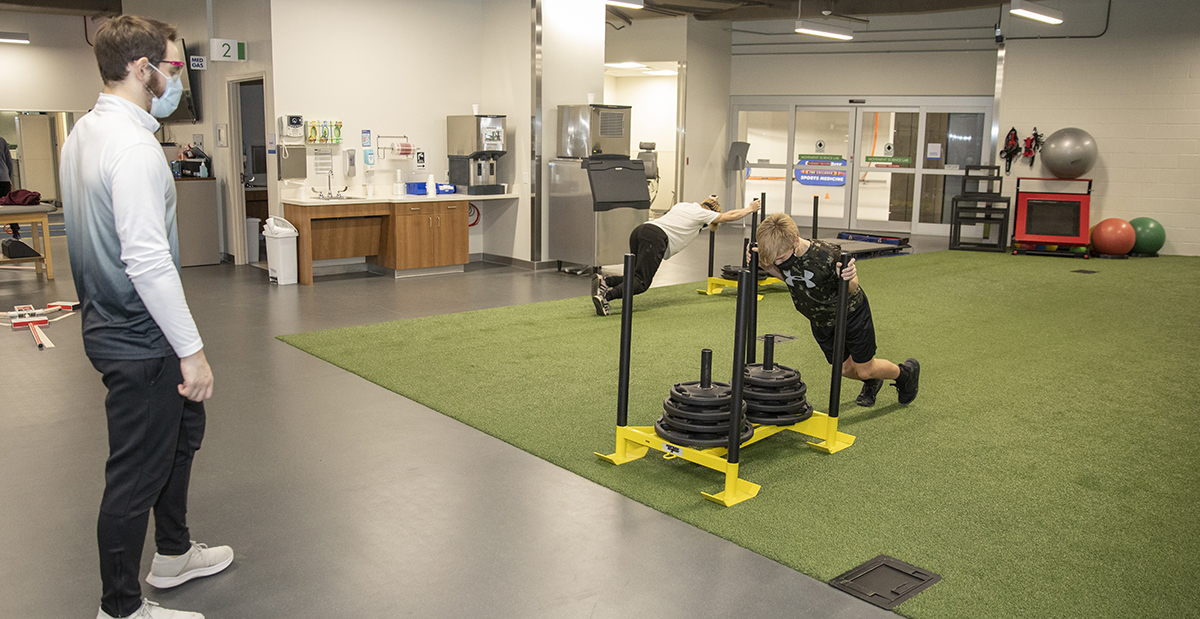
x=198, y=140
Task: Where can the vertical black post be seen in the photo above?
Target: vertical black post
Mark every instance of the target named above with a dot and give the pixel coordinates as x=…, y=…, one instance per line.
x=752, y=311
x=712, y=249
x=745, y=248
x=768, y=352
x=839, y=345
x=762, y=202
x=816, y=209
x=739, y=366
x=626, y=330
x=706, y=368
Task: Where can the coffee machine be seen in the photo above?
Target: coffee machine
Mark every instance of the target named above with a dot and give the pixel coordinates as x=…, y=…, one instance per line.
x=474, y=144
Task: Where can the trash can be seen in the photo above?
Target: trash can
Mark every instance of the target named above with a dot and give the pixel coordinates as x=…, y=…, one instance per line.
x=253, y=229
x=281, y=250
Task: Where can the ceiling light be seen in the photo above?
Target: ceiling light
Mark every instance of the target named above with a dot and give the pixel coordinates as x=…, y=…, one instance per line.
x=821, y=29
x=14, y=37
x=625, y=65
x=629, y=4
x=661, y=72
x=1036, y=11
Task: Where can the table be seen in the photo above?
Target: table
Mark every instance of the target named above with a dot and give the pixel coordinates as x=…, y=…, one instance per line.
x=37, y=215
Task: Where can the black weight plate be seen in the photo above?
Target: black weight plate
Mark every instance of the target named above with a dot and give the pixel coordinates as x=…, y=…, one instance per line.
x=781, y=420
x=719, y=394
x=730, y=272
x=690, y=439
x=776, y=408
x=698, y=413
x=795, y=392
x=702, y=427
x=779, y=376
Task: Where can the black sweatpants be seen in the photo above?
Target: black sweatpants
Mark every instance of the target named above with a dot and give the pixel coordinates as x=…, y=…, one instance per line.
x=648, y=244
x=153, y=433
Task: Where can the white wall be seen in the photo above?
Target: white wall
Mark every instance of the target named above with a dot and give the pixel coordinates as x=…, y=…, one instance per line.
x=913, y=73
x=573, y=53
x=56, y=72
x=1136, y=90
x=504, y=226
x=394, y=68
x=706, y=116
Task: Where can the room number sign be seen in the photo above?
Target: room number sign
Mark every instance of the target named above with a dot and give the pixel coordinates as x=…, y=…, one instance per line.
x=227, y=50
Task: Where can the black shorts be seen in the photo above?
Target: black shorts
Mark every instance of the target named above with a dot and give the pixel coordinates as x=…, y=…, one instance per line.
x=860, y=335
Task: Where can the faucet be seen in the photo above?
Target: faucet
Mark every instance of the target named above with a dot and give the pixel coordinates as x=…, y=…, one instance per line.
x=329, y=196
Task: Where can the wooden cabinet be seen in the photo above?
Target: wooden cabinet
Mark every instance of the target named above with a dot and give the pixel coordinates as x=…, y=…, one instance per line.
x=432, y=234
x=395, y=235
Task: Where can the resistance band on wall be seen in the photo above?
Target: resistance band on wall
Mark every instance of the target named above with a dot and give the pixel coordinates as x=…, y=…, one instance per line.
x=472, y=215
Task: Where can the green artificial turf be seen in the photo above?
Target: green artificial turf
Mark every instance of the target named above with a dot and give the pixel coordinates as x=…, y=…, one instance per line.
x=1048, y=468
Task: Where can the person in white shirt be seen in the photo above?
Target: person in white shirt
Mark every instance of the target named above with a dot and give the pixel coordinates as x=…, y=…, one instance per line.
x=119, y=206
x=655, y=241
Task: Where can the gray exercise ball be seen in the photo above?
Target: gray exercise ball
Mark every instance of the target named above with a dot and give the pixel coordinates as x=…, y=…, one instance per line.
x=1069, y=152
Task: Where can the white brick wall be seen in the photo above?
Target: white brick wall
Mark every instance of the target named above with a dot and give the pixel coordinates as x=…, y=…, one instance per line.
x=1136, y=90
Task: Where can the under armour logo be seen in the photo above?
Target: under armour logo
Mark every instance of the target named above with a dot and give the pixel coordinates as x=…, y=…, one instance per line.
x=807, y=279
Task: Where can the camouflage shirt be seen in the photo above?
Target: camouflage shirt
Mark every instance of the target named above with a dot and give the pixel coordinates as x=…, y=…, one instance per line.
x=813, y=282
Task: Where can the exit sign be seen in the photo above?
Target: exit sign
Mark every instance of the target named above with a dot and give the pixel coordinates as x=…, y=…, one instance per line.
x=227, y=50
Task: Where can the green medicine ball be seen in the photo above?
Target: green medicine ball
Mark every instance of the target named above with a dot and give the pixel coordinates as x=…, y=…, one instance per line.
x=1150, y=236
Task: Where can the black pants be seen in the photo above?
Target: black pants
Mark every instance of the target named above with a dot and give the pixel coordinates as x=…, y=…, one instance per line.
x=153, y=433
x=5, y=188
x=648, y=244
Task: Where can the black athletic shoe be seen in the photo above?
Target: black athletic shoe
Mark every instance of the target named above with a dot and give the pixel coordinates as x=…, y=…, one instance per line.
x=871, y=386
x=910, y=374
x=601, y=304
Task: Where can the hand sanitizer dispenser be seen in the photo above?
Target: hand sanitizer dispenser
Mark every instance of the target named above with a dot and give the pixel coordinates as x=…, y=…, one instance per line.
x=348, y=166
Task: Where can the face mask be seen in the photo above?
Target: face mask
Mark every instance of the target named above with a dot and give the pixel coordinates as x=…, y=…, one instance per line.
x=787, y=265
x=162, y=107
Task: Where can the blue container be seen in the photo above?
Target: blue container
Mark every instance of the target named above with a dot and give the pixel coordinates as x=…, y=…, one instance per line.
x=415, y=189
x=444, y=188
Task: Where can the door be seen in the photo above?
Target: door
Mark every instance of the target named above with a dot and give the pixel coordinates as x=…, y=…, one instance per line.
x=821, y=171
x=954, y=139
x=885, y=179
x=451, y=244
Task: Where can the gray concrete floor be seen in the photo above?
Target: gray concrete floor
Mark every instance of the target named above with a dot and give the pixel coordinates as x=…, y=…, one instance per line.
x=343, y=499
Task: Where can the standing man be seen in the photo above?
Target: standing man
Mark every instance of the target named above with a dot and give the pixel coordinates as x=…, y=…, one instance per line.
x=119, y=202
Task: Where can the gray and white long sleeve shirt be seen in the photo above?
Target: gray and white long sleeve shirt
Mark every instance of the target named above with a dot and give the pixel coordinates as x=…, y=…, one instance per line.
x=119, y=205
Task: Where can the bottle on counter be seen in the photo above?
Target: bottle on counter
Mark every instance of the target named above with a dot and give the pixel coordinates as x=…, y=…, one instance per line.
x=203, y=170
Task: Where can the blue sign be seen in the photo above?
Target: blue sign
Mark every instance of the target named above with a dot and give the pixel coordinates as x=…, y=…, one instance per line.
x=819, y=173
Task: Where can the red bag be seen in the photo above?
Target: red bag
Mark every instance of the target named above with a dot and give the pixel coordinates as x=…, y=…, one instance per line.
x=23, y=197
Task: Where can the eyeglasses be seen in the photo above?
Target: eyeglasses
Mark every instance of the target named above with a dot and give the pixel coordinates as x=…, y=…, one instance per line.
x=176, y=66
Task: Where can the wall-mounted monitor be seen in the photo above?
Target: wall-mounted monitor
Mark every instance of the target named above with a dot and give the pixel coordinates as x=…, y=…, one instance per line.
x=189, y=102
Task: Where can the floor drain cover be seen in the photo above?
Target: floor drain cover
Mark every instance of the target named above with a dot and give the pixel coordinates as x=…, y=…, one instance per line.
x=885, y=582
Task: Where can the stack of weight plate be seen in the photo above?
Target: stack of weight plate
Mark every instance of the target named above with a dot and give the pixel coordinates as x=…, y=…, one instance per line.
x=699, y=416
x=730, y=272
x=775, y=395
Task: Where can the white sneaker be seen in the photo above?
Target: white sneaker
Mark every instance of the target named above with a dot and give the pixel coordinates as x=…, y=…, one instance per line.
x=167, y=572
x=150, y=610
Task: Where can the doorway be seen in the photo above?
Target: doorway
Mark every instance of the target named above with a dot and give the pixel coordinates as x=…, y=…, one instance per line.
x=653, y=90
x=248, y=186
x=253, y=148
x=879, y=164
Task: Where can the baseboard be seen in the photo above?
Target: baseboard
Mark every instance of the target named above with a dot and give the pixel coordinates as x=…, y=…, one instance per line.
x=515, y=262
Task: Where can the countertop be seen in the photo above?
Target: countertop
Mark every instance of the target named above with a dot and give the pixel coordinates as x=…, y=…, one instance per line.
x=391, y=199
